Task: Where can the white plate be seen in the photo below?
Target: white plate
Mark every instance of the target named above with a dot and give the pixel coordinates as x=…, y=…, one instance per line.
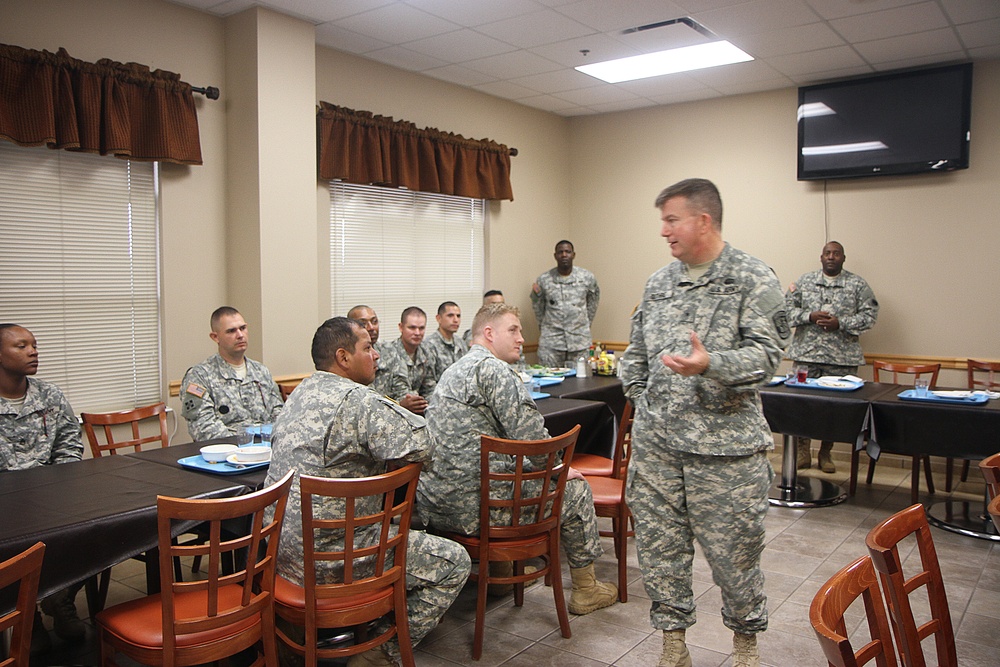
x=232, y=458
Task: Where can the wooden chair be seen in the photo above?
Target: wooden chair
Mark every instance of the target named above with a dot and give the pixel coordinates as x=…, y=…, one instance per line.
x=195, y=622
x=881, y=369
x=108, y=420
x=882, y=542
x=595, y=465
x=990, y=467
x=286, y=389
x=525, y=519
x=609, y=499
x=373, y=578
x=97, y=586
x=832, y=600
x=21, y=571
x=993, y=508
x=991, y=382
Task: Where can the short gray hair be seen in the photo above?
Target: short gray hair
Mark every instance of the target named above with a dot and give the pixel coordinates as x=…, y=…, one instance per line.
x=701, y=195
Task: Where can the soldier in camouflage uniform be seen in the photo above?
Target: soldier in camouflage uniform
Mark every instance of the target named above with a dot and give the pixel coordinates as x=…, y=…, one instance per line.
x=228, y=391
x=443, y=346
x=482, y=395
x=709, y=331
x=37, y=428
x=386, y=383
x=335, y=426
x=406, y=361
x=829, y=310
x=565, y=300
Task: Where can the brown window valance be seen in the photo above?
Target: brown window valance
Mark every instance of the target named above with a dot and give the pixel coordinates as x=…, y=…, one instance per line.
x=360, y=147
x=105, y=107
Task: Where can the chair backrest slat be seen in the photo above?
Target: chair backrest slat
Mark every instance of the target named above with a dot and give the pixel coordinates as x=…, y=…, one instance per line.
x=990, y=368
x=916, y=370
x=883, y=547
x=109, y=420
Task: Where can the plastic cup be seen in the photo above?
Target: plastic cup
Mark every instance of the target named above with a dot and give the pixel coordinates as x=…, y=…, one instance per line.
x=921, y=387
x=245, y=435
x=801, y=374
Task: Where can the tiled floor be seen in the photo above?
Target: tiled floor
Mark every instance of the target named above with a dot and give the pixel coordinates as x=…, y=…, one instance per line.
x=804, y=547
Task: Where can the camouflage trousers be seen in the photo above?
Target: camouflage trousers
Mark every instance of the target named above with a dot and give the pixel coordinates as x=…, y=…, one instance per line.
x=548, y=356
x=721, y=501
x=818, y=371
x=436, y=571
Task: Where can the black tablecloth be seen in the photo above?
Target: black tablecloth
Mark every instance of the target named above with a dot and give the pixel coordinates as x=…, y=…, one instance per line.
x=92, y=513
x=606, y=389
x=837, y=416
x=939, y=429
x=169, y=456
x=597, y=422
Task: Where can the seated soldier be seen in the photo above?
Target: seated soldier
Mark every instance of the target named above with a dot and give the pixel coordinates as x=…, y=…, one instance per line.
x=408, y=365
x=443, y=346
x=481, y=394
x=228, y=391
x=335, y=426
x=37, y=428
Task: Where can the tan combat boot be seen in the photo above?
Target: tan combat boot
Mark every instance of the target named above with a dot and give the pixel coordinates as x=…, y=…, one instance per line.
x=826, y=457
x=675, y=651
x=745, y=651
x=589, y=594
x=803, y=457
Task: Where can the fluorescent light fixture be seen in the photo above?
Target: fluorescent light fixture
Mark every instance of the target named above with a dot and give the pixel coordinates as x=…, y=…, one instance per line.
x=671, y=61
x=832, y=149
x=813, y=109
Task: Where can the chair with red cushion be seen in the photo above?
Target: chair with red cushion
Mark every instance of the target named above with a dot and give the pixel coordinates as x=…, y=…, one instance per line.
x=195, y=622
x=374, y=577
x=609, y=500
x=595, y=465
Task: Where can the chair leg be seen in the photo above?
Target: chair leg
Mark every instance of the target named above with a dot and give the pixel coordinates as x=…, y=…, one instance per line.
x=852, y=486
x=871, y=470
x=557, y=589
x=927, y=473
x=949, y=464
x=965, y=471
x=96, y=590
x=915, y=480
x=484, y=579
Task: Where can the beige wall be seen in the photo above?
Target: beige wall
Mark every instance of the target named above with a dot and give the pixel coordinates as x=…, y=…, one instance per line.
x=923, y=242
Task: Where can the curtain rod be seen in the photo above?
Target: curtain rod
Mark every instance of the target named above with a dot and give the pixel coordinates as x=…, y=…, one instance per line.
x=211, y=92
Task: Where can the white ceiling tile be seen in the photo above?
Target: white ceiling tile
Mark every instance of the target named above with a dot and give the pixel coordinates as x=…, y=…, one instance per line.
x=596, y=95
x=831, y=75
x=693, y=6
x=891, y=22
x=984, y=33
x=555, y=82
x=463, y=76
x=397, y=24
x=230, y=7
x=747, y=72
x=966, y=11
x=757, y=16
x=985, y=53
x=513, y=64
x=744, y=87
x=939, y=59
x=403, y=58
x=614, y=15
x=321, y=11
x=203, y=5
x=332, y=35
x=577, y=111
x=459, y=46
x=511, y=91
x=662, y=85
x=623, y=105
x=599, y=47
x=672, y=36
x=789, y=40
x=832, y=9
x=687, y=96
x=469, y=14
x=535, y=29
x=918, y=45
x=821, y=60
x=546, y=103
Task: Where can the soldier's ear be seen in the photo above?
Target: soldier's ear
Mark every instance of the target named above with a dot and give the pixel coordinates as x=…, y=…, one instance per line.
x=343, y=357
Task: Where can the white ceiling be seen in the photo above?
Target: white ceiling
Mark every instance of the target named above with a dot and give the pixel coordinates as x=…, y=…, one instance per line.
x=525, y=50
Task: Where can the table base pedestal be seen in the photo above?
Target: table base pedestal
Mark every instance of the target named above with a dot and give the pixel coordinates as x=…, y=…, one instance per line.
x=965, y=517
x=807, y=492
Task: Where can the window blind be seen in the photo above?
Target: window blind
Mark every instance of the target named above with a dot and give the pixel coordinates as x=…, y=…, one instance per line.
x=79, y=268
x=392, y=248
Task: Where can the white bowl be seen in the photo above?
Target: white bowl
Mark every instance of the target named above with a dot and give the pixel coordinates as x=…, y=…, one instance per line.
x=217, y=453
x=252, y=454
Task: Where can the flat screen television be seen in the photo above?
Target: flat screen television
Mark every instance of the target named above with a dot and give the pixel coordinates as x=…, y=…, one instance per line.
x=897, y=123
